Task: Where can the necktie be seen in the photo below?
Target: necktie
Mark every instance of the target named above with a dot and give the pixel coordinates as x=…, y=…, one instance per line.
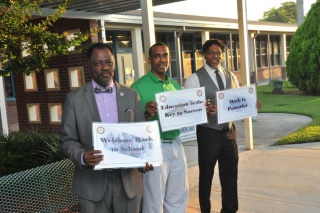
x=103, y=90
x=219, y=80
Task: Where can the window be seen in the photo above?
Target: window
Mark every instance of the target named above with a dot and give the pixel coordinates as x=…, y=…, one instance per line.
x=288, y=41
x=110, y=37
x=187, y=53
x=168, y=38
x=125, y=68
x=198, y=41
x=237, y=55
x=25, y=48
x=199, y=60
x=76, y=77
x=55, y=112
x=52, y=79
x=231, y=59
x=189, y=43
x=124, y=41
x=187, y=63
x=69, y=36
x=261, y=51
x=33, y=111
x=9, y=87
x=30, y=82
x=198, y=52
x=275, y=50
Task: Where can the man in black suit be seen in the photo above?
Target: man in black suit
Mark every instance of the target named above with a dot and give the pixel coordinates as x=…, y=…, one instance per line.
x=216, y=142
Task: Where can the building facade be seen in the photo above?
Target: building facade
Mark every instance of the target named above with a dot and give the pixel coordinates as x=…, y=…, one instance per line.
x=35, y=101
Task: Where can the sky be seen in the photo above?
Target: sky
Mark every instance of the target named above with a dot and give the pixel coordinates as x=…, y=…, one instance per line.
x=225, y=8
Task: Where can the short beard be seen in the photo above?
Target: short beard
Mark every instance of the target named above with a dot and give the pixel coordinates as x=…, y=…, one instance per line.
x=102, y=82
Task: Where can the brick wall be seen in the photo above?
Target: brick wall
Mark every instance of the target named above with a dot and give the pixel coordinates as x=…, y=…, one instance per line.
x=12, y=116
x=43, y=97
x=12, y=112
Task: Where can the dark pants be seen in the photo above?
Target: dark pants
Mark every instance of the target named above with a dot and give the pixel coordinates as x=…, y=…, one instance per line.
x=221, y=146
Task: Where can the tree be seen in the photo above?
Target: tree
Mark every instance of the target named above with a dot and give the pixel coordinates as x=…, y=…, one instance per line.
x=19, y=32
x=286, y=13
x=303, y=62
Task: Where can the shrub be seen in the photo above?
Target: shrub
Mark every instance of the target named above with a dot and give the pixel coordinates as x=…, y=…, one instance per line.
x=21, y=151
x=303, y=63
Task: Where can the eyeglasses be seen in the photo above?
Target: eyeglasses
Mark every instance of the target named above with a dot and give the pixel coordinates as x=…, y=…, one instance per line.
x=212, y=53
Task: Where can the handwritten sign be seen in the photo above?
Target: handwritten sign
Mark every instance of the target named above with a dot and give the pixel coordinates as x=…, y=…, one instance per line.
x=236, y=104
x=181, y=108
x=127, y=145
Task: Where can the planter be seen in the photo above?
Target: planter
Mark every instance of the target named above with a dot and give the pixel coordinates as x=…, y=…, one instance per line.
x=277, y=87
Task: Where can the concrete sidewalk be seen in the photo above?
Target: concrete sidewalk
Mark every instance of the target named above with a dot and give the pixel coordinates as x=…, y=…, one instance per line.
x=271, y=178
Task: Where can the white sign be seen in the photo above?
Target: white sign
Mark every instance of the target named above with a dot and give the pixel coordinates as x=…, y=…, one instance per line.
x=181, y=108
x=127, y=145
x=188, y=133
x=236, y=104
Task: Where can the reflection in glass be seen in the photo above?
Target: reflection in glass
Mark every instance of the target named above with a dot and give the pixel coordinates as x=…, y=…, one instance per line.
x=55, y=112
x=33, y=110
x=52, y=79
x=76, y=77
x=30, y=82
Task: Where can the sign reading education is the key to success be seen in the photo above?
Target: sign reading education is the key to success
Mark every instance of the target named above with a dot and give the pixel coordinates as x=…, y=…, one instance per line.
x=181, y=108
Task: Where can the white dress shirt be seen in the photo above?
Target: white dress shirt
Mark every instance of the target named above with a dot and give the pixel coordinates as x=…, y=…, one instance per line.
x=193, y=80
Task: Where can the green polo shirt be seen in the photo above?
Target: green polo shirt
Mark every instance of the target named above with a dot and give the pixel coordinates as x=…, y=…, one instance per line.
x=149, y=85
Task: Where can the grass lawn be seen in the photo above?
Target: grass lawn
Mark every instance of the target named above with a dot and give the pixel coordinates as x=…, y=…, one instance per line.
x=295, y=102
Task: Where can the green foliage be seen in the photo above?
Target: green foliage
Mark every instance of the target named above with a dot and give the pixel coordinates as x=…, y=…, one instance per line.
x=312, y=133
x=292, y=101
x=286, y=13
x=21, y=151
x=19, y=34
x=303, y=62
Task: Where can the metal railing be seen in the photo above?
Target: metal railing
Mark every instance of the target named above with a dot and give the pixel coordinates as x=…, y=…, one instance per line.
x=42, y=189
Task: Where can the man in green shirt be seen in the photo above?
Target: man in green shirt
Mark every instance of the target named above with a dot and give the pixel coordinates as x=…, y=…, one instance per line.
x=166, y=188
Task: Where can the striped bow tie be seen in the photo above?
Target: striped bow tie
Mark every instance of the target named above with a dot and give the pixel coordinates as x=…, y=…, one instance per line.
x=103, y=90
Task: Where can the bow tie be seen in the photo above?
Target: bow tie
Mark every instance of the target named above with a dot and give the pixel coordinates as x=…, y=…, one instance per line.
x=103, y=90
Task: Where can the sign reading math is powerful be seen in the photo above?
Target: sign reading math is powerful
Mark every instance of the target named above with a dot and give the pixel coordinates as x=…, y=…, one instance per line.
x=182, y=108
x=236, y=104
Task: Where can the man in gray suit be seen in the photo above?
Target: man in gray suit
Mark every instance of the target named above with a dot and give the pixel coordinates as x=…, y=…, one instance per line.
x=101, y=100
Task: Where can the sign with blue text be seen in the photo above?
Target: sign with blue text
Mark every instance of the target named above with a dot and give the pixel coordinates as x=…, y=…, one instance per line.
x=182, y=108
x=236, y=104
x=127, y=145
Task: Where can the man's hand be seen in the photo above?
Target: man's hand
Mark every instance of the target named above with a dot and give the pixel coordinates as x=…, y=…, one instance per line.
x=258, y=104
x=147, y=168
x=210, y=108
x=92, y=157
x=151, y=109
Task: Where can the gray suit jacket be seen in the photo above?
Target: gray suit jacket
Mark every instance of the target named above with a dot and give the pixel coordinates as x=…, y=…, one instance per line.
x=79, y=111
